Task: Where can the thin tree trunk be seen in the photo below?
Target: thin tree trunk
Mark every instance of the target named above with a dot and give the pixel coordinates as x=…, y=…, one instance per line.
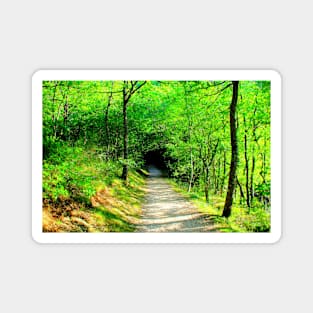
x=252, y=178
x=253, y=156
x=247, y=166
x=191, y=171
x=55, y=117
x=207, y=163
x=65, y=119
x=106, y=117
x=125, y=135
x=189, y=138
x=234, y=154
x=224, y=173
x=242, y=195
x=218, y=176
x=207, y=183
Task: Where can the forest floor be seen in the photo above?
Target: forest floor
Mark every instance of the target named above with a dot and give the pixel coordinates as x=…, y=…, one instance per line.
x=165, y=210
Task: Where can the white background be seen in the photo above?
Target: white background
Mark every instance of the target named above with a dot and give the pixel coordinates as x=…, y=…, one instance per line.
x=43, y=75
x=155, y=34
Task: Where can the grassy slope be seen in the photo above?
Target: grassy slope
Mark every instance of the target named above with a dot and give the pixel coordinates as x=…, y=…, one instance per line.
x=83, y=193
x=257, y=220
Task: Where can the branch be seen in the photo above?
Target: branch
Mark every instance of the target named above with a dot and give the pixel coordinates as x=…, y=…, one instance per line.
x=214, y=152
x=220, y=91
x=138, y=86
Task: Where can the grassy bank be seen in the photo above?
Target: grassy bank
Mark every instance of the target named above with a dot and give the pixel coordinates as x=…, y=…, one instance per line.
x=242, y=219
x=82, y=192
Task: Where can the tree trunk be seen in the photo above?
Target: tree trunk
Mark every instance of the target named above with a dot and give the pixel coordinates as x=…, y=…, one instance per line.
x=224, y=173
x=106, y=122
x=206, y=192
x=242, y=195
x=189, y=137
x=129, y=88
x=234, y=154
x=55, y=116
x=247, y=166
x=125, y=135
x=191, y=172
x=252, y=179
x=65, y=114
x=207, y=183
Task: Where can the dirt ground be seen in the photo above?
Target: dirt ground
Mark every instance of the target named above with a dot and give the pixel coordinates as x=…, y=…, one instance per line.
x=166, y=210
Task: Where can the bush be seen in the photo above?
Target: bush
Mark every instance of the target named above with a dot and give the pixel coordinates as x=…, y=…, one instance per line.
x=71, y=171
x=258, y=221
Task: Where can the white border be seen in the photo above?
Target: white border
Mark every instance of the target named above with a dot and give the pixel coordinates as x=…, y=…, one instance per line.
x=150, y=238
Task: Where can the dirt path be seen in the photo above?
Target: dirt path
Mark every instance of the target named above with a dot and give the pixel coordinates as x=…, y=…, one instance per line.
x=166, y=210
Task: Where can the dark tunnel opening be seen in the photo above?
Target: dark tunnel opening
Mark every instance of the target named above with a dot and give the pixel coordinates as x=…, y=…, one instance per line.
x=155, y=157
x=159, y=159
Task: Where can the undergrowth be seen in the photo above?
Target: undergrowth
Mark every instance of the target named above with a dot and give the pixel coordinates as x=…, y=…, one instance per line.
x=242, y=219
x=83, y=192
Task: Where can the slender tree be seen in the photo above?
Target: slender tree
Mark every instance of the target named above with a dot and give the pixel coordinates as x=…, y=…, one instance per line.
x=246, y=164
x=129, y=88
x=106, y=117
x=234, y=154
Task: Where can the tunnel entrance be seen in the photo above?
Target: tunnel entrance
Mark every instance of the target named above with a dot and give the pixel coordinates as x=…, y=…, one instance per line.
x=156, y=157
x=159, y=159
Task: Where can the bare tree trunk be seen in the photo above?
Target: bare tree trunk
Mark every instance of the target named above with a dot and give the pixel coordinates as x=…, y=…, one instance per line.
x=224, y=173
x=218, y=176
x=242, y=195
x=191, y=171
x=253, y=156
x=55, y=117
x=191, y=178
x=252, y=179
x=125, y=136
x=234, y=154
x=263, y=171
x=215, y=183
x=106, y=123
x=247, y=165
x=65, y=113
x=207, y=183
x=207, y=163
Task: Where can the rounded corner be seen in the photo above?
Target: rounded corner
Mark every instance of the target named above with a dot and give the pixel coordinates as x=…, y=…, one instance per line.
x=36, y=74
x=36, y=238
x=276, y=238
x=276, y=74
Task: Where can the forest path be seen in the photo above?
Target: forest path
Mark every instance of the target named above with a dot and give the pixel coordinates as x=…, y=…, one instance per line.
x=166, y=210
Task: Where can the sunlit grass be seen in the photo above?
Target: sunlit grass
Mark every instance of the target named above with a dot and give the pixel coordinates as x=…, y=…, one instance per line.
x=85, y=183
x=241, y=220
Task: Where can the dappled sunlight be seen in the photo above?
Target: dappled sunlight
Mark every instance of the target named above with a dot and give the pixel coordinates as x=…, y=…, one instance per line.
x=167, y=211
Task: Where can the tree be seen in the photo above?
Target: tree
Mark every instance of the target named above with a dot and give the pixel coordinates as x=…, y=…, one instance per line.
x=129, y=88
x=189, y=125
x=106, y=117
x=234, y=154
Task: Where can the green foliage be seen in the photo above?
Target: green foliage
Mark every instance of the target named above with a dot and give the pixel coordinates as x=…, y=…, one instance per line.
x=188, y=121
x=73, y=171
x=263, y=189
x=241, y=220
x=80, y=179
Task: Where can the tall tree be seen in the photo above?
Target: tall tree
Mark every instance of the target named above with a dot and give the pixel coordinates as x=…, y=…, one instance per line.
x=129, y=88
x=234, y=154
x=106, y=117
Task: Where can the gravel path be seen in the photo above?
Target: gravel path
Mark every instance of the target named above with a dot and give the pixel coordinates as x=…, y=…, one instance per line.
x=166, y=210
